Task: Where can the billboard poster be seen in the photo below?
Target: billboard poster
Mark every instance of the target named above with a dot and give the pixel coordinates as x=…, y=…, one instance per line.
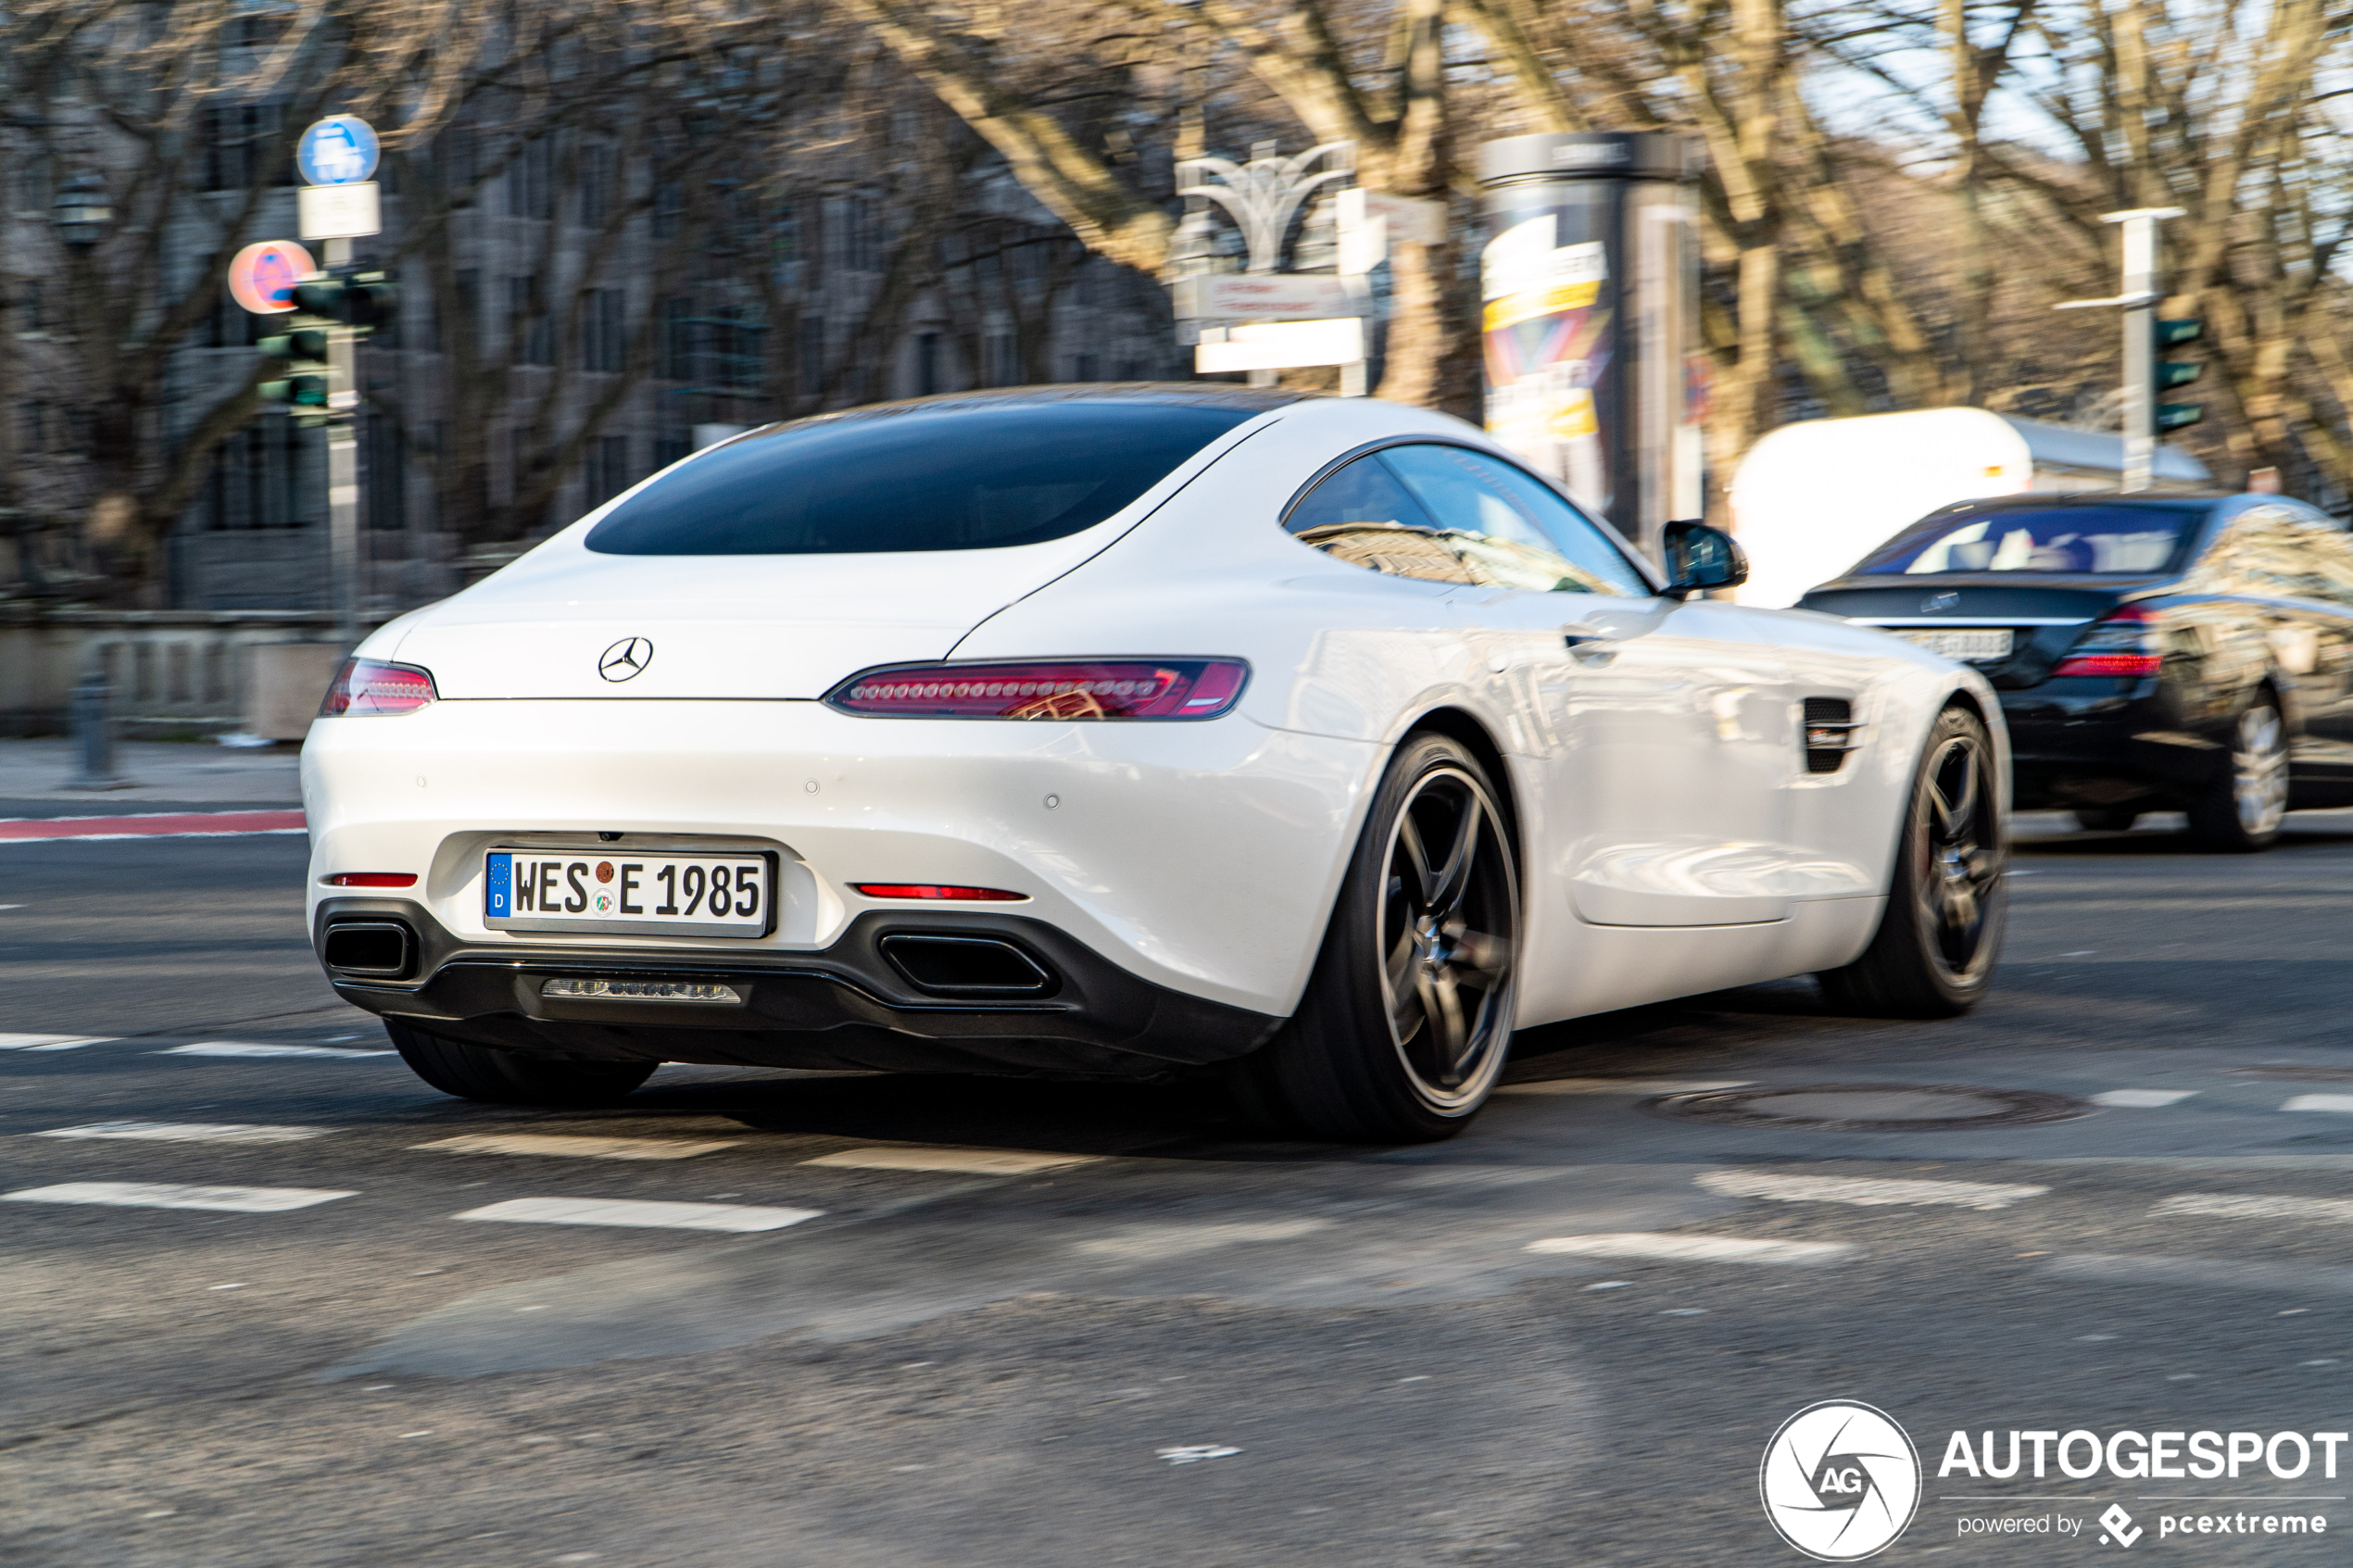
x=1546, y=317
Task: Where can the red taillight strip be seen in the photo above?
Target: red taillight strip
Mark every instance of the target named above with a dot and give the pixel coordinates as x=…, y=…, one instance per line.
x=373, y=879
x=933, y=890
x=2112, y=665
x=366, y=687
x=1068, y=689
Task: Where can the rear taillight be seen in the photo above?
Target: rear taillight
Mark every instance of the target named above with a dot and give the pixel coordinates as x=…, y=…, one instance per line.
x=2121, y=646
x=365, y=687
x=1062, y=688
x=373, y=879
x=938, y=890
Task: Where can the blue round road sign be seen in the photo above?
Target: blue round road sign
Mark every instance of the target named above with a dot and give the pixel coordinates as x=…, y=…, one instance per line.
x=338, y=150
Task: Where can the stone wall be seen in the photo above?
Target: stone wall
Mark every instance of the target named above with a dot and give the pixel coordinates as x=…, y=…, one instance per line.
x=174, y=672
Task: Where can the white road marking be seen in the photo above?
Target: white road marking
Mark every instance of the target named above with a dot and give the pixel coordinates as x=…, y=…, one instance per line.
x=1621, y=1085
x=247, y=1047
x=156, y=1195
x=566, y=1144
x=1193, y=1454
x=970, y=1161
x=2257, y=1206
x=187, y=1132
x=1868, y=1192
x=640, y=1214
x=51, y=1042
x=2320, y=1102
x=1148, y=1243
x=1693, y=1249
x=2141, y=1099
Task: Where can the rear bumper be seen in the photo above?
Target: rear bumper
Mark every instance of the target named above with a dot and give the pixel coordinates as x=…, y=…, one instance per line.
x=867, y=1000
x=2110, y=743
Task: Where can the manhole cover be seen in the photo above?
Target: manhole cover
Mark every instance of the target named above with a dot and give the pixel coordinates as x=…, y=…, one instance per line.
x=1869, y=1107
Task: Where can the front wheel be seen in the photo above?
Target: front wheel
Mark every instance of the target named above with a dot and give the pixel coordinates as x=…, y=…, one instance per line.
x=2241, y=813
x=512, y=1078
x=1407, y=1018
x=1937, y=941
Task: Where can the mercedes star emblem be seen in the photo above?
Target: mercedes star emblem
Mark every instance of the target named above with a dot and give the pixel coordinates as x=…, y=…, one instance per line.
x=1936, y=602
x=625, y=658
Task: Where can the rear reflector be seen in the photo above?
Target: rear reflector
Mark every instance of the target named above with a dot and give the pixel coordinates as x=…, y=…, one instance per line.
x=640, y=991
x=368, y=687
x=373, y=879
x=1078, y=689
x=2126, y=665
x=926, y=890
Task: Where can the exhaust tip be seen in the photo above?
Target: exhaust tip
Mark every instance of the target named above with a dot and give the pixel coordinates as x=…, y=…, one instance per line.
x=966, y=966
x=369, y=949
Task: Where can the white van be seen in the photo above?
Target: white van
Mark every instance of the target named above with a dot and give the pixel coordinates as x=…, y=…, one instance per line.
x=1811, y=499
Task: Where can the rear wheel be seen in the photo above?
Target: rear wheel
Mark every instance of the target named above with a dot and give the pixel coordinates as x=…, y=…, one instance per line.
x=2106, y=818
x=510, y=1078
x=1937, y=942
x=2241, y=813
x=1407, y=1019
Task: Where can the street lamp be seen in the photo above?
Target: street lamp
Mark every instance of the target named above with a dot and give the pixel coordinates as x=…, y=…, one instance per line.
x=82, y=211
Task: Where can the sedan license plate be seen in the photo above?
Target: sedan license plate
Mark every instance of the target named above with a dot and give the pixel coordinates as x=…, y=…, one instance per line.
x=635, y=894
x=1963, y=643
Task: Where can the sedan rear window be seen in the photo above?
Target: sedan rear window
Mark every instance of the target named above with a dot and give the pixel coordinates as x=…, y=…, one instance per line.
x=2137, y=536
x=975, y=475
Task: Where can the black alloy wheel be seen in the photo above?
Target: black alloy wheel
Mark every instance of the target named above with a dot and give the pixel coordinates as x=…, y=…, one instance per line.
x=1408, y=1020
x=499, y=1077
x=1947, y=903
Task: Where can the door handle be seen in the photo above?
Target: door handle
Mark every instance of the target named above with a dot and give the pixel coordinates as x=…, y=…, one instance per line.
x=1581, y=636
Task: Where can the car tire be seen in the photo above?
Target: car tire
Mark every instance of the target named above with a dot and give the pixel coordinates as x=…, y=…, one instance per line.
x=499, y=1077
x=1407, y=1018
x=1946, y=903
x=2106, y=818
x=2242, y=811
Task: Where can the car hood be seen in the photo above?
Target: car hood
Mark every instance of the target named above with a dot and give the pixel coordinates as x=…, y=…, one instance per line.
x=718, y=626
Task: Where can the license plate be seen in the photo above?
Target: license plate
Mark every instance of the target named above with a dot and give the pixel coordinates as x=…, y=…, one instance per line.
x=599, y=890
x=1970, y=644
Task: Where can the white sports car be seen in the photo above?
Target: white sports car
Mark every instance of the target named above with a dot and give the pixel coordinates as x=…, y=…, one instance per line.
x=1127, y=732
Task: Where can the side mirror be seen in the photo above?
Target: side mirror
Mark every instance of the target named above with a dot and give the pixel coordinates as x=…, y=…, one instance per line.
x=1699, y=556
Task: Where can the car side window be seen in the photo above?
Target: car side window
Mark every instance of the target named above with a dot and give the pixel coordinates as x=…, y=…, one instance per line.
x=1448, y=514
x=2281, y=552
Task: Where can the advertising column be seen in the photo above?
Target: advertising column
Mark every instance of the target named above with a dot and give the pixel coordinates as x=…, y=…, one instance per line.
x=1590, y=306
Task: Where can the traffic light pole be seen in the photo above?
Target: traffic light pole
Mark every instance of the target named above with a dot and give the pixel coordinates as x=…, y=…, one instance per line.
x=2139, y=302
x=343, y=462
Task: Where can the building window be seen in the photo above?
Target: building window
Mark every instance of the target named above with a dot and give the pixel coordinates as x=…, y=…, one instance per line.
x=240, y=141
x=1004, y=359
x=600, y=169
x=530, y=180
x=255, y=478
x=812, y=355
x=1086, y=368
x=608, y=468
x=676, y=350
x=928, y=378
x=530, y=334
x=387, y=474
x=670, y=207
x=603, y=341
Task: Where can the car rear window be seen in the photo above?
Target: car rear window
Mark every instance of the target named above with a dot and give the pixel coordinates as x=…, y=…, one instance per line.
x=958, y=476
x=2124, y=536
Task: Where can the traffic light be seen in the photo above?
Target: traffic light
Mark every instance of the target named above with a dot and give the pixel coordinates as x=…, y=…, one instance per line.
x=363, y=301
x=303, y=391
x=2165, y=374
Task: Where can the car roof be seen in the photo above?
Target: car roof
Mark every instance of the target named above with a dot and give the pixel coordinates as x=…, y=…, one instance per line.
x=1180, y=394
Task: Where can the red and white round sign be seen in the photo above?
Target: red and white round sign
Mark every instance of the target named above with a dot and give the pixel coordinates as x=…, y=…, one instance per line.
x=263, y=276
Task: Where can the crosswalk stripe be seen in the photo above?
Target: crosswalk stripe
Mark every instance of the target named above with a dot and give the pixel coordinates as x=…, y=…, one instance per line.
x=1868, y=1192
x=969, y=1161
x=188, y=1132
x=248, y=1047
x=643, y=1213
x=2320, y=1102
x=1693, y=1249
x=51, y=1042
x=156, y=1195
x=1621, y=1085
x=2141, y=1099
x=2257, y=1206
x=573, y=1145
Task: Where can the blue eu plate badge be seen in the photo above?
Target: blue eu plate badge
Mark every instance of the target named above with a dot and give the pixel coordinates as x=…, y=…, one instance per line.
x=502, y=886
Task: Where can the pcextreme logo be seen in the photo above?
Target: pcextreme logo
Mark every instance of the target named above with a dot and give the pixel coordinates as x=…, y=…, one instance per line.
x=1840, y=1481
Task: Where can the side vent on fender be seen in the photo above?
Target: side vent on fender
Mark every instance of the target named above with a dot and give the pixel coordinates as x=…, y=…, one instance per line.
x=1830, y=733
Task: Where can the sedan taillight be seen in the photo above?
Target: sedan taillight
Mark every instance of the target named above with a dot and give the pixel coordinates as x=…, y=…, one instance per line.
x=1060, y=688
x=367, y=687
x=2122, y=646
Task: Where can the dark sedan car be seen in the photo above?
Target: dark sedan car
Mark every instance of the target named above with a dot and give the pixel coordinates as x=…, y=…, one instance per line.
x=2153, y=651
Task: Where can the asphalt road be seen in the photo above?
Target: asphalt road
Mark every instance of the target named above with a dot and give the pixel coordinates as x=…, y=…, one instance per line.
x=1154, y=1343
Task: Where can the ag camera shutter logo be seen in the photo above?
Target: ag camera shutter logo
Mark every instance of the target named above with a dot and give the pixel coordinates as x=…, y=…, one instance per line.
x=1840, y=1481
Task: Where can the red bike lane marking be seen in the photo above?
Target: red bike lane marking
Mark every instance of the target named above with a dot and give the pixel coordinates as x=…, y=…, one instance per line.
x=159, y=824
